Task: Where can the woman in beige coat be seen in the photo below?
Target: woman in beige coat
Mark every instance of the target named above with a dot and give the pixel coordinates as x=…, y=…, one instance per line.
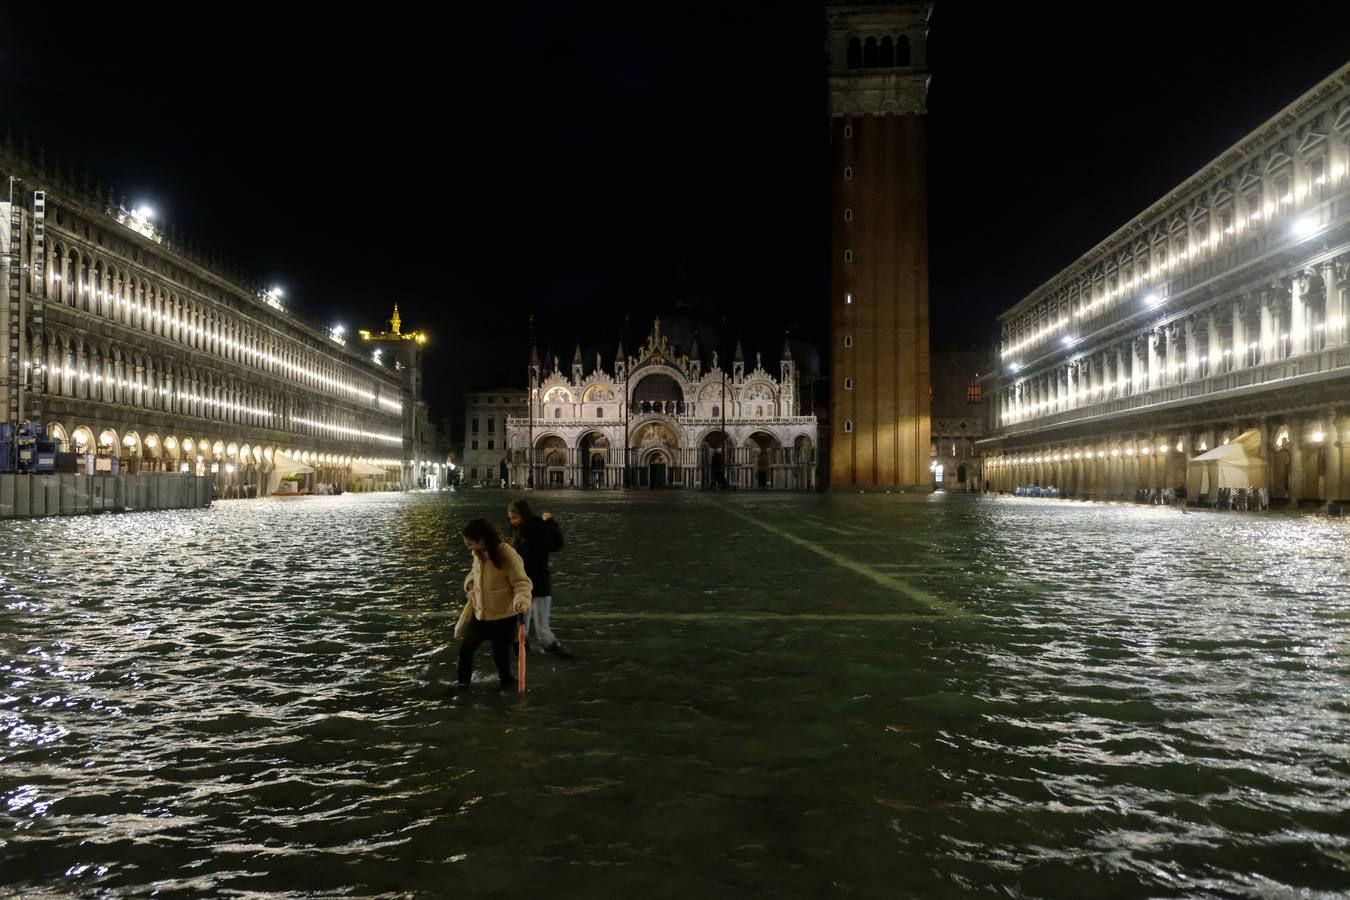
x=497, y=590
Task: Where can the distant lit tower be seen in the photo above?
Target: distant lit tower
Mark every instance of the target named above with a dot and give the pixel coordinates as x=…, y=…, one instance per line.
x=879, y=370
x=402, y=351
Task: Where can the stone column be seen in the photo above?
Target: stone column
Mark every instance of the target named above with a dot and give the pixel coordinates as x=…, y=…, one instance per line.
x=1129, y=468
x=1278, y=324
x=1295, y=462
x=1146, y=477
x=1237, y=358
x=1214, y=351
x=1267, y=452
x=1335, y=457
x=1171, y=354
x=1103, y=471
x=1298, y=324
x=1267, y=347
x=1192, y=350
x=1335, y=321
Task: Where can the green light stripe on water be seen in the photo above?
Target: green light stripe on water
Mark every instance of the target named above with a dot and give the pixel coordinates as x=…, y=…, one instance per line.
x=887, y=581
x=742, y=616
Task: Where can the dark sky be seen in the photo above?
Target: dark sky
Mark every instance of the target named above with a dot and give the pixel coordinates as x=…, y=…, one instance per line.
x=584, y=160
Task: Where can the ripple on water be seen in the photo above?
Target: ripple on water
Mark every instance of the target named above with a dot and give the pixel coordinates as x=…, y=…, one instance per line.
x=251, y=699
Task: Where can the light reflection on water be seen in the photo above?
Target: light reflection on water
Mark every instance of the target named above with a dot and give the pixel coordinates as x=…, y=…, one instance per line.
x=251, y=699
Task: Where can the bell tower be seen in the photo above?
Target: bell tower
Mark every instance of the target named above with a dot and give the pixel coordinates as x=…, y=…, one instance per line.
x=879, y=370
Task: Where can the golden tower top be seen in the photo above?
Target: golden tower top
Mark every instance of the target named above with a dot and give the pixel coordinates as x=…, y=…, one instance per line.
x=395, y=332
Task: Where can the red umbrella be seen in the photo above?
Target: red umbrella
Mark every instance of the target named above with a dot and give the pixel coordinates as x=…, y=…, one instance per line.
x=520, y=657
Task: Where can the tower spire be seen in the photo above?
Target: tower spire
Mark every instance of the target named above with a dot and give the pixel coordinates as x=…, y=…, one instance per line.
x=394, y=321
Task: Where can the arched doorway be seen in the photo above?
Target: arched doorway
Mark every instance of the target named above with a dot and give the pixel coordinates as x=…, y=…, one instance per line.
x=1279, y=475
x=132, y=451
x=714, y=452
x=804, y=463
x=57, y=432
x=961, y=476
x=649, y=439
x=658, y=469
x=763, y=449
x=109, y=448
x=551, y=460
x=154, y=453
x=594, y=449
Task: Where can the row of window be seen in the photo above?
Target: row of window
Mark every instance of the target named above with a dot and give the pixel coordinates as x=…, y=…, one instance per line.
x=1218, y=217
x=156, y=385
x=871, y=53
x=973, y=391
x=98, y=287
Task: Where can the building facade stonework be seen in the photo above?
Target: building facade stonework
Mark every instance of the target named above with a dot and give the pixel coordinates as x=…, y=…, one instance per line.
x=661, y=419
x=958, y=419
x=138, y=355
x=485, y=436
x=1221, y=309
x=879, y=371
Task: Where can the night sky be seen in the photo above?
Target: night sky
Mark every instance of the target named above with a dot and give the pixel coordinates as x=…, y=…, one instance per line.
x=583, y=161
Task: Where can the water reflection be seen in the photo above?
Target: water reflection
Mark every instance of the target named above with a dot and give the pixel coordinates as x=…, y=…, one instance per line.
x=251, y=698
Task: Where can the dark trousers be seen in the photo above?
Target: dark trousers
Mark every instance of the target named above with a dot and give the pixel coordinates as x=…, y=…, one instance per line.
x=502, y=632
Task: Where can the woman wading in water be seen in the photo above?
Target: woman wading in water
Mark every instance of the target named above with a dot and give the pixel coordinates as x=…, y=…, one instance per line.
x=498, y=590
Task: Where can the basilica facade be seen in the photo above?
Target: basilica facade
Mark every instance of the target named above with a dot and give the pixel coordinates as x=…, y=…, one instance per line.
x=663, y=419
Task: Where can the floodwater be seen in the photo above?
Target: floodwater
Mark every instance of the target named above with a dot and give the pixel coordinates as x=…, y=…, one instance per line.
x=788, y=696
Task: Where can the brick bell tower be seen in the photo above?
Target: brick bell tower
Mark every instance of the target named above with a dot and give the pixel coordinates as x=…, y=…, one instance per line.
x=879, y=370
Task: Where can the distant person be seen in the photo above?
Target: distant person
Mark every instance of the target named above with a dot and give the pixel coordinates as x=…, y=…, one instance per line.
x=497, y=591
x=1182, y=496
x=535, y=537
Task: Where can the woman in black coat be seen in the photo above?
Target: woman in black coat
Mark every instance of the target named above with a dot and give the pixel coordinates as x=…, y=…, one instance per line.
x=534, y=537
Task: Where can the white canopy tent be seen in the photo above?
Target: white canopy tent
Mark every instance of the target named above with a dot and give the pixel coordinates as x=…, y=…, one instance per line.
x=361, y=469
x=1237, y=464
x=283, y=465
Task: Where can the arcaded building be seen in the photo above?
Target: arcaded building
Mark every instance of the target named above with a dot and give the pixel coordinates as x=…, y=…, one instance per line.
x=136, y=354
x=1219, y=311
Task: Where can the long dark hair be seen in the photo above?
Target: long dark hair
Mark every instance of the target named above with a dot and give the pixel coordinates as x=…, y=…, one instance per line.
x=483, y=530
x=522, y=509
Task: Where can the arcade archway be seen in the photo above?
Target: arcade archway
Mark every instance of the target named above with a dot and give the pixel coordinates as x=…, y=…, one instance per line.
x=595, y=459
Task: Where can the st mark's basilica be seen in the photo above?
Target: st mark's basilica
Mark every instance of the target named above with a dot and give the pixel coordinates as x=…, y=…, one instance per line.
x=664, y=419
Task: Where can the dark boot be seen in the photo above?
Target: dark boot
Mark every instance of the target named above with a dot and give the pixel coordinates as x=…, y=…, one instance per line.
x=558, y=651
